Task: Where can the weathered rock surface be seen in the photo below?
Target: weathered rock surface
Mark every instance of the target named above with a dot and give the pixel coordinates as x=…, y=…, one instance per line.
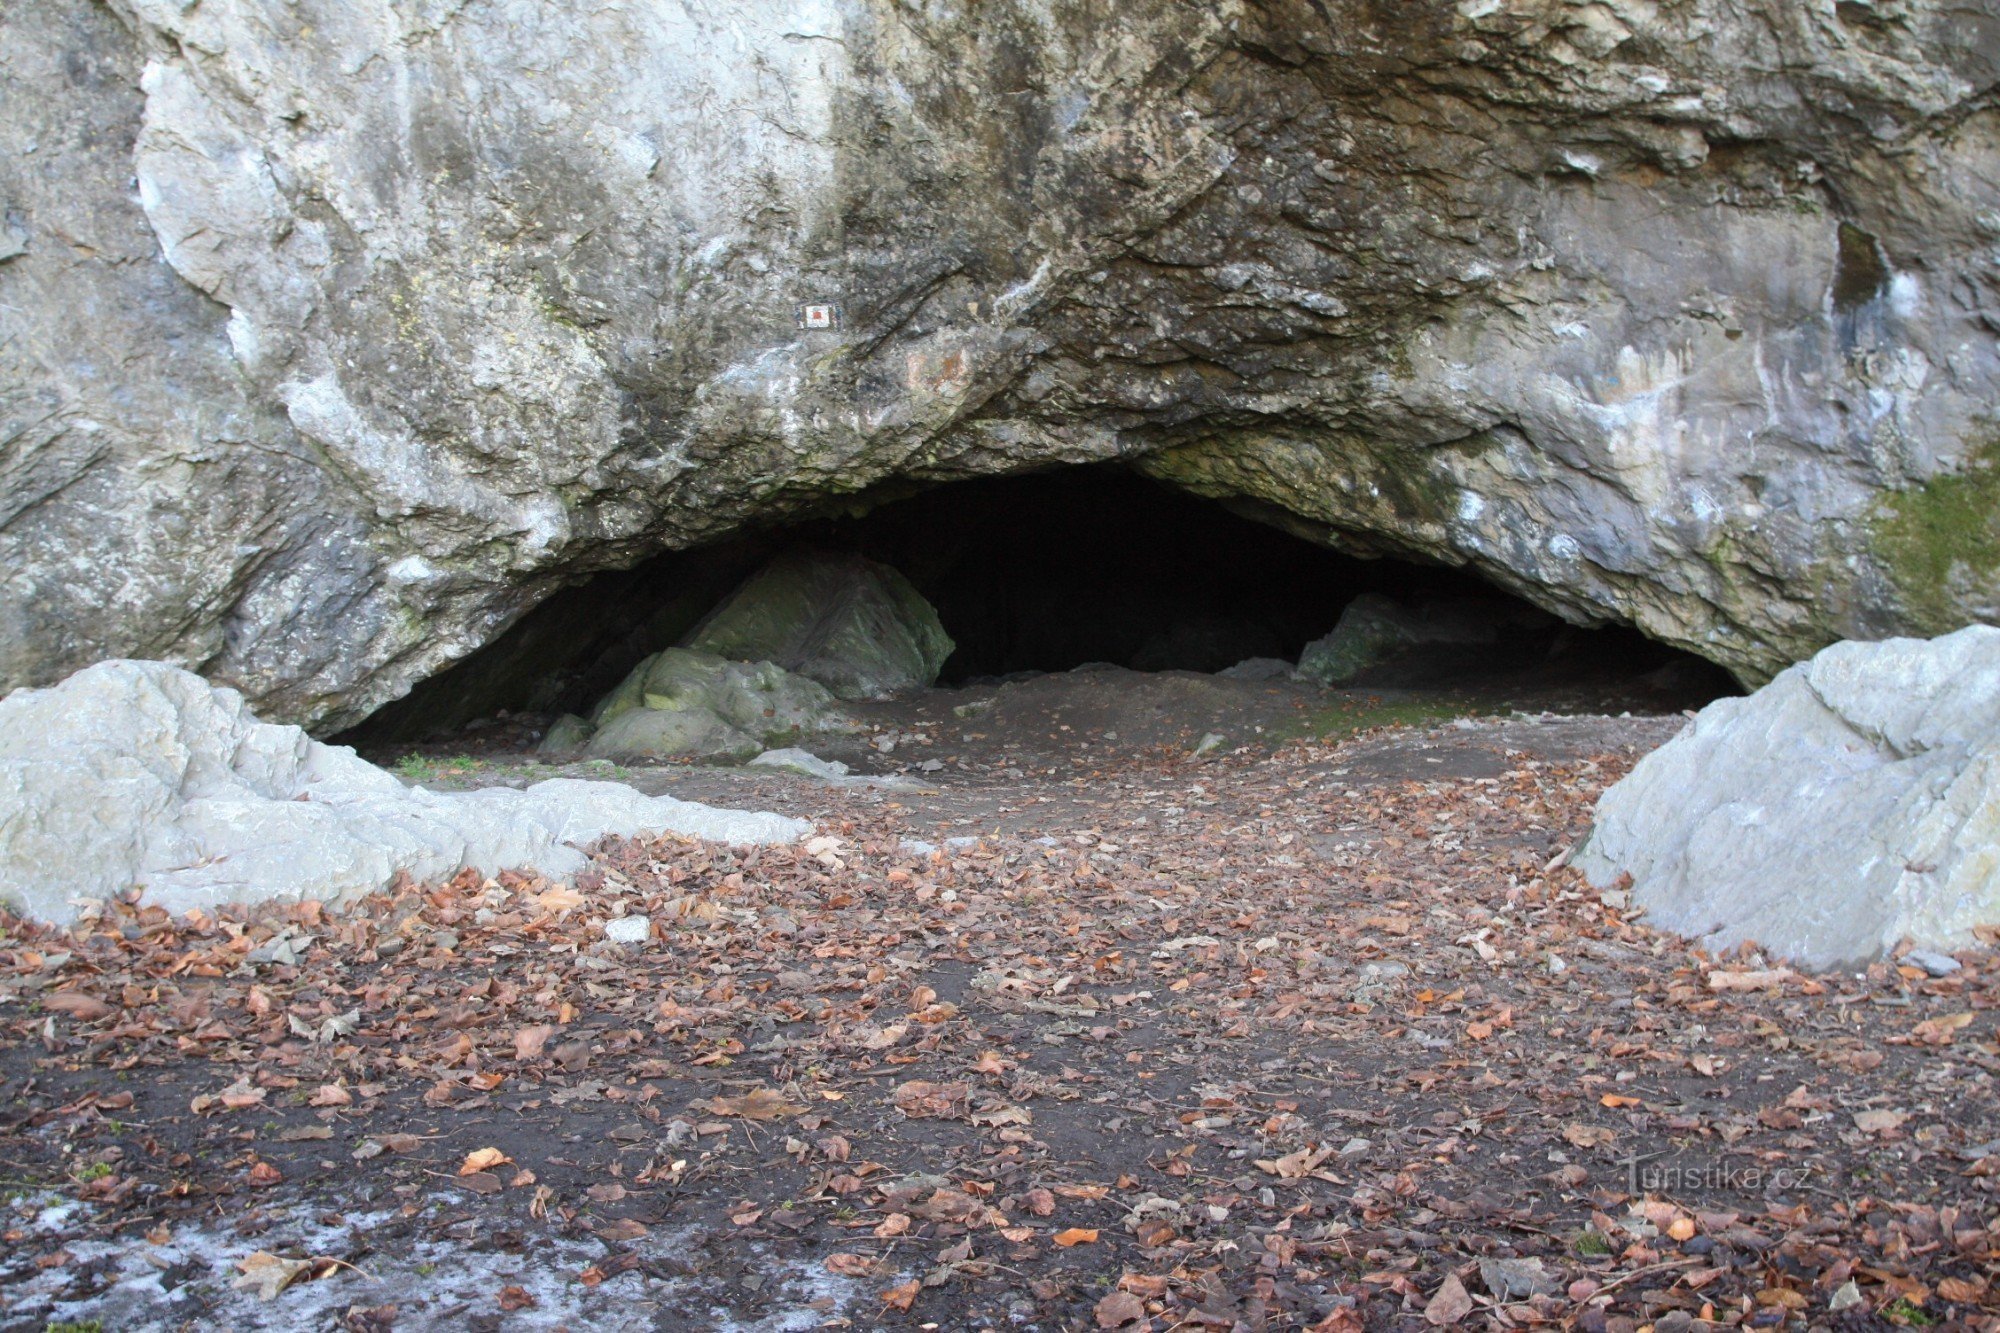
x=853, y=624
x=336, y=333
x=1374, y=630
x=1851, y=803
x=142, y=775
x=694, y=704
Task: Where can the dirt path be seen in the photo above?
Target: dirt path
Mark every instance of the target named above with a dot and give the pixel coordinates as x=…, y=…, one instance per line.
x=1296, y=1035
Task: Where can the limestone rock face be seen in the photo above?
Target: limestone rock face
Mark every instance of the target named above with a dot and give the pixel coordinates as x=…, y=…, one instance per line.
x=853, y=624
x=1852, y=802
x=334, y=334
x=142, y=775
x=684, y=703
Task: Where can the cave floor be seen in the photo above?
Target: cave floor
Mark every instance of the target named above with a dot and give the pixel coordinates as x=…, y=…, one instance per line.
x=1314, y=1030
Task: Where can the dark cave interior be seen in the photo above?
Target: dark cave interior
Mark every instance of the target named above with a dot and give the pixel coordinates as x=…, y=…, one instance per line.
x=1033, y=573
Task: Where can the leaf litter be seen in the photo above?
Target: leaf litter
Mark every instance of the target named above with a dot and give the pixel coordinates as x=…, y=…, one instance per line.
x=1285, y=1040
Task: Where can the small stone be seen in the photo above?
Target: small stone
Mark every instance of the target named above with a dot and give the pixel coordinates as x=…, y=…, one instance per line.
x=1212, y=741
x=1845, y=1297
x=1937, y=964
x=628, y=929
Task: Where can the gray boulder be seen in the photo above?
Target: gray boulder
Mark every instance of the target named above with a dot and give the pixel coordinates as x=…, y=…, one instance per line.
x=684, y=703
x=851, y=623
x=1851, y=803
x=141, y=775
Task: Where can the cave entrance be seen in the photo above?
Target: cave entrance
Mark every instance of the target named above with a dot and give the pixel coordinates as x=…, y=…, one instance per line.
x=1052, y=571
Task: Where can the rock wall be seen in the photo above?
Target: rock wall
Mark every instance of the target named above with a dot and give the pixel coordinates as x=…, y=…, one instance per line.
x=335, y=334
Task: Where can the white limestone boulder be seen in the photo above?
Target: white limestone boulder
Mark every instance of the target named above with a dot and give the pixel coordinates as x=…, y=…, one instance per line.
x=139, y=774
x=1851, y=803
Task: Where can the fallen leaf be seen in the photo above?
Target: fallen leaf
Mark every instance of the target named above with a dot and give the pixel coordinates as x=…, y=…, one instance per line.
x=1076, y=1236
x=83, y=1008
x=902, y=1297
x=1119, y=1309
x=757, y=1104
x=1879, y=1122
x=1939, y=1031
x=268, y=1275
x=558, y=900
x=1451, y=1304
x=517, y=1298
x=1588, y=1136
x=528, y=1042
x=1749, y=981
x=482, y=1159
x=1296, y=1164
x=330, y=1094
x=932, y=1101
x=849, y=1265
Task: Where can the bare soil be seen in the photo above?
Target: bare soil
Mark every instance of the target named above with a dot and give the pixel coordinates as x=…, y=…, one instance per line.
x=1314, y=1030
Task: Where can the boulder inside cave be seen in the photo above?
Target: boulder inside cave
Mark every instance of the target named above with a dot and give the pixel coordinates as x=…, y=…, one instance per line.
x=1053, y=571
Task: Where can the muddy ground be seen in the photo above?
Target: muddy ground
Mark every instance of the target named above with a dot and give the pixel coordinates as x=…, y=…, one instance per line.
x=1070, y=1028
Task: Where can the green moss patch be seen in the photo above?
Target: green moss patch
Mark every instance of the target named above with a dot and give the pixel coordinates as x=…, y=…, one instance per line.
x=1923, y=534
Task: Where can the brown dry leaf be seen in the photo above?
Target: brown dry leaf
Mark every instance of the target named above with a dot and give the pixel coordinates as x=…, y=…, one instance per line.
x=902, y=1297
x=621, y=1228
x=1451, y=1304
x=558, y=900
x=920, y=1100
x=849, y=1265
x=1613, y=1101
x=1588, y=1136
x=81, y=1007
x=1963, y=1291
x=693, y=909
x=481, y=1182
x=528, y=1042
x=1076, y=1236
x=611, y=1192
x=1119, y=1309
x=514, y=1298
x=1082, y=1191
x=895, y=1224
x=1040, y=1202
x=330, y=1094
x=238, y=1096
x=1939, y=1031
x=1879, y=1122
x=992, y=1063
x=1294, y=1165
x=1738, y=982
x=757, y=1104
x=482, y=1159
x=268, y=1275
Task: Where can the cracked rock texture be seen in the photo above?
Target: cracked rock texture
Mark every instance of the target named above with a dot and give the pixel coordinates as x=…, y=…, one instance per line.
x=334, y=334
x=1852, y=803
x=139, y=775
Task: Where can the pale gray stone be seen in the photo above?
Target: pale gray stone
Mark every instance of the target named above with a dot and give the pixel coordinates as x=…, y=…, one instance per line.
x=139, y=775
x=1851, y=803
x=803, y=762
x=628, y=929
